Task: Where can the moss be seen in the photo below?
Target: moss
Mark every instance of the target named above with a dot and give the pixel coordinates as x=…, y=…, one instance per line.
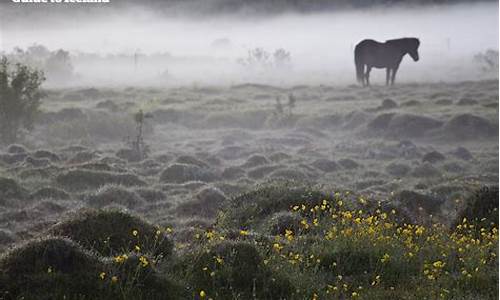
x=110, y=232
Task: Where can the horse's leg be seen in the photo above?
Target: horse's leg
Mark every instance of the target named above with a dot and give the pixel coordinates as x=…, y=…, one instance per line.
x=394, y=71
x=364, y=75
x=387, y=75
x=368, y=69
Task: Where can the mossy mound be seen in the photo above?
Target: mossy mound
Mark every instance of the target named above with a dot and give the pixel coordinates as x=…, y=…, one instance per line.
x=207, y=203
x=10, y=189
x=481, y=208
x=53, y=157
x=50, y=268
x=180, y=173
x=398, y=169
x=114, y=194
x=282, y=221
x=233, y=268
x=59, y=268
x=111, y=232
x=50, y=193
x=138, y=278
x=250, y=209
x=16, y=149
x=85, y=179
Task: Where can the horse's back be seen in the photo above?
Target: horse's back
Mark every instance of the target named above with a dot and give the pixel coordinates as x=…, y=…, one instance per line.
x=367, y=43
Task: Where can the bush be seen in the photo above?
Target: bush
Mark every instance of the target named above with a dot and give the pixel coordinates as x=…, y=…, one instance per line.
x=111, y=232
x=20, y=97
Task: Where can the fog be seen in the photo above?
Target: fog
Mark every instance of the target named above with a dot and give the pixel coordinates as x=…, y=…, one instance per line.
x=205, y=51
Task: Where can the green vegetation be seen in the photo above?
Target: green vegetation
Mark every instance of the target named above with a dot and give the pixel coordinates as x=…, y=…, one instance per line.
x=330, y=246
x=20, y=97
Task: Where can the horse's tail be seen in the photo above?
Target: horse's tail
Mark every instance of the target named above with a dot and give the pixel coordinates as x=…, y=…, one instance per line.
x=359, y=65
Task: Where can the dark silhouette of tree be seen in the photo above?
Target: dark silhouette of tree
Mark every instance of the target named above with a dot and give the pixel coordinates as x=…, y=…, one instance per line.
x=20, y=98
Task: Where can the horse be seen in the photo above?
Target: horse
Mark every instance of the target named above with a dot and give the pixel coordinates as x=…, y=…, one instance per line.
x=386, y=55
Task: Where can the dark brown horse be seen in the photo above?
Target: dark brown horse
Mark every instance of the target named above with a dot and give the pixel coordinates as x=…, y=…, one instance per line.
x=386, y=55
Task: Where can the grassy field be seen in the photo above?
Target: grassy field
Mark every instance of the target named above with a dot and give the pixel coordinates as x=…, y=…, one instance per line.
x=255, y=192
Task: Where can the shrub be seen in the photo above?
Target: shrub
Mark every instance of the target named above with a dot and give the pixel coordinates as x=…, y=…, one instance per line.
x=20, y=97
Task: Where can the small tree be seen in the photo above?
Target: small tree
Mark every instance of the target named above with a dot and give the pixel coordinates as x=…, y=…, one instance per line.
x=139, y=148
x=20, y=98
x=282, y=58
x=488, y=61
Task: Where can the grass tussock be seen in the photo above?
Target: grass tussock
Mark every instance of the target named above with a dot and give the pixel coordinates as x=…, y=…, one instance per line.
x=111, y=232
x=81, y=179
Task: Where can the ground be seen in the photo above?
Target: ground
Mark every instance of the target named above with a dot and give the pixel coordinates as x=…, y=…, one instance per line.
x=422, y=148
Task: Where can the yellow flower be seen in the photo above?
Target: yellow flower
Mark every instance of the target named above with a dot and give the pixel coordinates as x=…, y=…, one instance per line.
x=354, y=294
x=137, y=248
x=102, y=275
x=135, y=232
x=347, y=215
x=49, y=270
x=120, y=258
x=277, y=247
x=144, y=261
x=169, y=230
x=244, y=232
x=438, y=264
x=203, y=294
x=114, y=279
x=385, y=258
x=289, y=234
x=219, y=260
x=304, y=224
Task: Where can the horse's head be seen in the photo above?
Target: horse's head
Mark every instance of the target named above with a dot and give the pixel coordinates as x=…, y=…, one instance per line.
x=414, y=43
